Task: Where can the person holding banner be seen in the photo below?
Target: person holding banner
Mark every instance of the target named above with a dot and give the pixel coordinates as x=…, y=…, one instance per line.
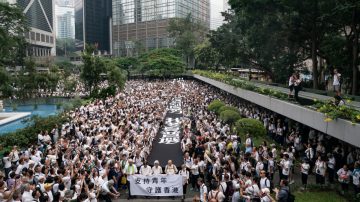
x=156, y=169
x=185, y=174
x=145, y=169
x=130, y=169
x=170, y=168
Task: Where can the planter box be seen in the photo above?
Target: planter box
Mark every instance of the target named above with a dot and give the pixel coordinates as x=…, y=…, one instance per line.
x=340, y=128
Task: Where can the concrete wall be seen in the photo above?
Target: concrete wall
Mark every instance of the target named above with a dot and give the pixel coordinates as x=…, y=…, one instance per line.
x=340, y=129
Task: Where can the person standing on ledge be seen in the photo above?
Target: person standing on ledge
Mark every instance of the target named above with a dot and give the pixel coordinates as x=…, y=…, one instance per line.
x=297, y=86
x=336, y=82
x=291, y=84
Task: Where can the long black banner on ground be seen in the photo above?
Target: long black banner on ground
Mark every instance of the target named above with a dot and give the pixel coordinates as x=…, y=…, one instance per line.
x=166, y=145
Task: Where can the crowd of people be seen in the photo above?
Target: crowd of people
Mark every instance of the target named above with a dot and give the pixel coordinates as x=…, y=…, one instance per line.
x=90, y=157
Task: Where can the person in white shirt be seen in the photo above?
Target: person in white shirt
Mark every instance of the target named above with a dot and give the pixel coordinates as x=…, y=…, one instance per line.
x=145, y=169
x=7, y=163
x=170, y=168
x=108, y=191
x=264, y=181
x=194, y=175
x=344, y=178
x=286, y=164
x=271, y=166
x=27, y=195
x=320, y=169
x=188, y=160
x=14, y=155
x=185, y=175
x=291, y=84
x=215, y=194
x=331, y=167
x=203, y=191
x=356, y=177
x=156, y=169
x=305, y=167
x=336, y=81
x=252, y=191
x=248, y=144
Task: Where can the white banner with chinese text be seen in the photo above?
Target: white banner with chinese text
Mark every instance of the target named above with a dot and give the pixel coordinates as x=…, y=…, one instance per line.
x=156, y=185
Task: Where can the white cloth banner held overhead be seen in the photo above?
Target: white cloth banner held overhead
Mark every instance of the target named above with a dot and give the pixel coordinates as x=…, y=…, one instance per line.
x=156, y=185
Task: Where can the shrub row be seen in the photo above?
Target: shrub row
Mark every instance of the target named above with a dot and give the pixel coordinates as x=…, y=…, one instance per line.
x=232, y=116
x=328, y=108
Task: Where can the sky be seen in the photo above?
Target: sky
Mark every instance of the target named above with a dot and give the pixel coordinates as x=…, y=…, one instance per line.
x=216, y=20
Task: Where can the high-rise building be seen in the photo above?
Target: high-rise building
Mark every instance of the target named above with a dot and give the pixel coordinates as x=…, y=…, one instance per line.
x=144, y=22
x=217, y=7
x=64, y=19
x=41, y=35
x=92, y=24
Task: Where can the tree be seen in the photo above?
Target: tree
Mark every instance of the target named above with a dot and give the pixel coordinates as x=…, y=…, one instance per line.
x=12, y=29
x=205, y=55
x=65, y=46
x=187, y=33
x=115, y=75
x=162, y=63
x=92, y=68
x=128, y=64
x=252, y=126
x=6, y=89
x=347, y=15
x=215, y=106
x=256, y=37
x=230, y=116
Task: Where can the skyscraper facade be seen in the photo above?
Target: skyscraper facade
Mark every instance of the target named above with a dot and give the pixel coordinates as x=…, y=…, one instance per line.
x=64, y=19
x=92, y=24
x=144, y=22
x=41, y=35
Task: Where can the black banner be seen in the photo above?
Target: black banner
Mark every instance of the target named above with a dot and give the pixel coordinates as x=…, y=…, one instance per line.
x=166, y=145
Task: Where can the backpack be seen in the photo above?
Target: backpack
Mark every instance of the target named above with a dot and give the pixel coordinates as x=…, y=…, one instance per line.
x=229, y=190
x=271, y=185
x=213, y=197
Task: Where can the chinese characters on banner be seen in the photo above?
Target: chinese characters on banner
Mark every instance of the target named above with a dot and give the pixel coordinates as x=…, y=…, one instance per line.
x=156, y=185
x=171, y=131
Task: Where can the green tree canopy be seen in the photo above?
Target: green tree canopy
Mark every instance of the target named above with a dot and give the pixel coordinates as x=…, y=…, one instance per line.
x=230, y=116
x=187, y=33
x=252, y=126
x=162, y=62
x=12, y=29
x=92, y=68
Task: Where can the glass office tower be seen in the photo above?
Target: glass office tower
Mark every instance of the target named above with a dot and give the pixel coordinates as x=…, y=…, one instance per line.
x=143, y=23
x=92, y=24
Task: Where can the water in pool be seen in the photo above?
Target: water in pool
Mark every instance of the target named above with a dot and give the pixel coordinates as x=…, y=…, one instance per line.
x=42, y=110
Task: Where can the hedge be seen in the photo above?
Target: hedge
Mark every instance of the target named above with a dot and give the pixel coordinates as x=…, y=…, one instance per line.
x=230, y=116
x=252, y=126
x=215, y=105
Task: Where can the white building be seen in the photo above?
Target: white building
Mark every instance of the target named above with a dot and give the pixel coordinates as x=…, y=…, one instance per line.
x=64, y=20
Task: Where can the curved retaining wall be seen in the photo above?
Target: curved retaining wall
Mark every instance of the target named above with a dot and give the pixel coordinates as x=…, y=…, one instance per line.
x=340, y=128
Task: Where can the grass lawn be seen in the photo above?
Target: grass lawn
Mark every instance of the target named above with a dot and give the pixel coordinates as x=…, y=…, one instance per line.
x=321, y=196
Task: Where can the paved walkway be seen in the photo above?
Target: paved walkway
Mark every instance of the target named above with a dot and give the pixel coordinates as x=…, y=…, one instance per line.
x=304, y=94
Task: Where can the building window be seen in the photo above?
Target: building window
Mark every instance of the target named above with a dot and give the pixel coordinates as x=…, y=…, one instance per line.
x=42, y=37
x=47, y=39
x=37, y=36
x=32, y=35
